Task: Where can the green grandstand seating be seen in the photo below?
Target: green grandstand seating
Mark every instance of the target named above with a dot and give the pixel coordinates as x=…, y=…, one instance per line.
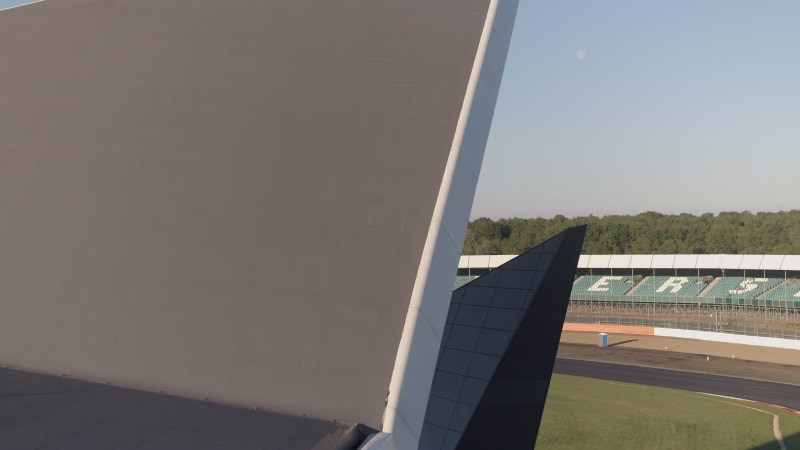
x=742, y=287
x=462, y=280
x=669, y=286
x=788, y=291
x=603, y=285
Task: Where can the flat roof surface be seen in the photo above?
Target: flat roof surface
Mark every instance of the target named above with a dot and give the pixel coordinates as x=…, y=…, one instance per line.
x=50, y=412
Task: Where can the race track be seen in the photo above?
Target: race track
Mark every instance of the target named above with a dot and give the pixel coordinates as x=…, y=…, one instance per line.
x=782, y=394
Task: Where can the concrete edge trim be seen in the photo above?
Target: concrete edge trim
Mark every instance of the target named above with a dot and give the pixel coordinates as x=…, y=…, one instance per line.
x=429, y=259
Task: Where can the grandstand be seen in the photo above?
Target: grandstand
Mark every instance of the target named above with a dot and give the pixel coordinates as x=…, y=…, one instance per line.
x=462, y=280
x=604, y=285
x=743, y=294
x=668, y=286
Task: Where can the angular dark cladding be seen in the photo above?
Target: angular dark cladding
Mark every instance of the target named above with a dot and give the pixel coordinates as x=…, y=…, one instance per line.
x=224, y=199
x=499, y=348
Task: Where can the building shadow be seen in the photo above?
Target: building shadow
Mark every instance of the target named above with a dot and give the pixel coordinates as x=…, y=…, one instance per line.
x=622, y=342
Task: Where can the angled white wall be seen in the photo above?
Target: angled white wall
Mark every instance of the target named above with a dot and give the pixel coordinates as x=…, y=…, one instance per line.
x=422, y=334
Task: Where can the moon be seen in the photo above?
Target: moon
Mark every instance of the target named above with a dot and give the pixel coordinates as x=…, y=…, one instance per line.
x=582, y=53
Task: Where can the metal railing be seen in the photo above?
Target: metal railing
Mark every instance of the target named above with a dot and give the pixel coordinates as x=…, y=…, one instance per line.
x=747, y=320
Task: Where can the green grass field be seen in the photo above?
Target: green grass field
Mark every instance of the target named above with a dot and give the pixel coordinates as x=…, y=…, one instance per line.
x=584, y=413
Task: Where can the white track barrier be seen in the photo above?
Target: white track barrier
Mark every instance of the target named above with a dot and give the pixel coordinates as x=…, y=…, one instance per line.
x=730, y=338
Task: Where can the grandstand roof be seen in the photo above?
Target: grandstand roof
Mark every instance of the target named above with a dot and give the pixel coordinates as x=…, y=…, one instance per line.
x=684, y=261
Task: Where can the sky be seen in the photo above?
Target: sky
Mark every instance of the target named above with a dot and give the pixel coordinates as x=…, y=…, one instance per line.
x=621, y=107
x=626, y=106
x=11, y=3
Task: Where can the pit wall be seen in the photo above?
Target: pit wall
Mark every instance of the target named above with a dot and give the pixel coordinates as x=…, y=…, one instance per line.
x=685, y=334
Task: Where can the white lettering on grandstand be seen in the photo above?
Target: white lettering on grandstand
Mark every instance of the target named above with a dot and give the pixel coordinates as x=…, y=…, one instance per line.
x=749, y=284
x=676, y=283
x=797, y=294
x=602, y=284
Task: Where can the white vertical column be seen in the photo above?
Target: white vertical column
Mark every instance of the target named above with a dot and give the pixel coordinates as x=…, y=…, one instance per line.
x=430, y=299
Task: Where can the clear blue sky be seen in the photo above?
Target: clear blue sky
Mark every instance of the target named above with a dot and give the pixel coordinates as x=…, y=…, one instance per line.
x=9, y=3
x=679, y=106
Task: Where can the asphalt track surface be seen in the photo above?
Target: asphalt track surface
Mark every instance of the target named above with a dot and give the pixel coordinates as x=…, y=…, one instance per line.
x=781, y=394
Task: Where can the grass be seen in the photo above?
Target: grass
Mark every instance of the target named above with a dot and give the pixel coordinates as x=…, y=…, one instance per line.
x=587, y=413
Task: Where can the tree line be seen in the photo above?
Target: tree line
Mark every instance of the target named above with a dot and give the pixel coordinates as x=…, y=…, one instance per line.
x=645, y=233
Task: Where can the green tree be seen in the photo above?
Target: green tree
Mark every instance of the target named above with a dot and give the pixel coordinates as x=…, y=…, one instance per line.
x=648, y=232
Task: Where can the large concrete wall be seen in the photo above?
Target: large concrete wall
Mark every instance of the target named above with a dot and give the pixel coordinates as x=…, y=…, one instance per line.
x=226, y=199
